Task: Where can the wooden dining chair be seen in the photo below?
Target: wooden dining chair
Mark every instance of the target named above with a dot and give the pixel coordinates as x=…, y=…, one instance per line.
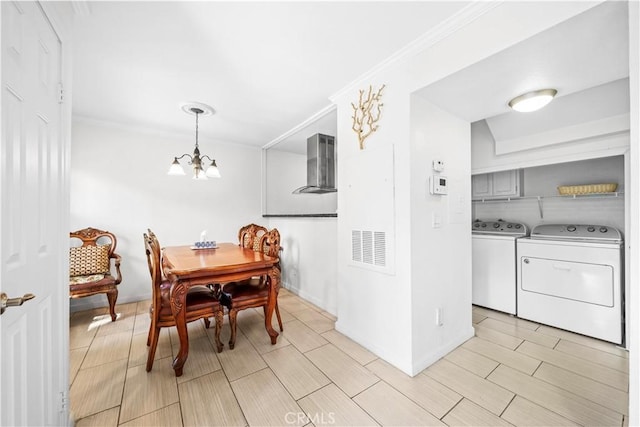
x=248, y=294
x=201, y=302
x=90, y=271
x=249, y=235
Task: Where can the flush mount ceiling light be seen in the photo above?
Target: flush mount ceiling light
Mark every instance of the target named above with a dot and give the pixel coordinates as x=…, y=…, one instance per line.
x=196, y=159
x=532, y=101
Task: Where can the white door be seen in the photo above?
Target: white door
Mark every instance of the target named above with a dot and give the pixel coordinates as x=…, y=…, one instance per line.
x=33, y=216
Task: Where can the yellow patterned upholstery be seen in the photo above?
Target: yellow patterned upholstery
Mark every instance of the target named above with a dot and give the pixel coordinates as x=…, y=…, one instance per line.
x=79, y=280
x=86, y=260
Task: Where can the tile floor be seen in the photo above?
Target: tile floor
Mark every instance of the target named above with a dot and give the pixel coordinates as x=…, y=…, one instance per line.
x=513, y=372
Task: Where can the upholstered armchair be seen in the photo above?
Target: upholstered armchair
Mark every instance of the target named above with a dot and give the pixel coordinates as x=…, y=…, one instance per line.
x=90, y=266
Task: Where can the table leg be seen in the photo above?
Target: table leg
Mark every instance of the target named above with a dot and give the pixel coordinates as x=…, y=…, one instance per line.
x=177, y=298
x=274, y=286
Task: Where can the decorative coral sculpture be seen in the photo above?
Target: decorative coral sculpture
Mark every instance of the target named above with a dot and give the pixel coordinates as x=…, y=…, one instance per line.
x=366, y=114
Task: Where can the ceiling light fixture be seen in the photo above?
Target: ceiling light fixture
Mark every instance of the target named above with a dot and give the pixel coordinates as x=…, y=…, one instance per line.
x=196, y=159
x=532, y=101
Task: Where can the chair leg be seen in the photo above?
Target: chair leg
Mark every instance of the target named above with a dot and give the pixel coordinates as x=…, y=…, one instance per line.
x=207, y=322
x=278, y=316
x=112, y=296
x=232, y=324
x=219, y=322
x=152, y=347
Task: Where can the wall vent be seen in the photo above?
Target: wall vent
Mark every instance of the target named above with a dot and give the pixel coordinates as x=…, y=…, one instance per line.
x=369, y=247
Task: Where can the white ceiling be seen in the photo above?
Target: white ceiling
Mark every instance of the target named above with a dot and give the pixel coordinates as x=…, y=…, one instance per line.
x=589, y=50
x=263, y=66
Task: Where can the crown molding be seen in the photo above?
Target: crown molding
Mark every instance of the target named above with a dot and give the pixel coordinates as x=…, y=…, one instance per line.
x=317, y=116
x=455, y=22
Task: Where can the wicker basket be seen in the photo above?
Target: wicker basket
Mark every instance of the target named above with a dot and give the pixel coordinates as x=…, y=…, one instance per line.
x=567, y=190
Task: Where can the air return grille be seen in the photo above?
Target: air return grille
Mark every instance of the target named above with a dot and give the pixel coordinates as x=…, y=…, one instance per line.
x=369, y=247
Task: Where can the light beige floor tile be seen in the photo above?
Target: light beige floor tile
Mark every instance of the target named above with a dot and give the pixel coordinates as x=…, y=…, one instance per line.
x=503, y=355
x=127, y=309
x=315, y=320
x=195, y=330
x=423, y=390
x=352, y=348
x=299, y=376
x=146, y=392
x=86, y=317
x=330, y=406
x=284, y=315
x=522, y=333
x=600, y=373
x=124, y=323
x=108, y=418
x=625, y=421
x=209, y=401
x=169, y=416
x=586, y=341
x=477, y=317
x=107, y=349
x=242, y=360
x=303, y=337
x=467, y=413
x=480, y=391
x=265, y=402
x=594, y=355
x=522, y=412
x=329, y=316
x=389, y=407
x=345, y=372
x=202, y=360
x=140, y=351
x=562, y=402
x=507, y=318
x=142, y=324
x=76, y=357
x=142, y=307
x=599, y=393
x=497, y=337
x=292, y=303
x=97, y=389
x=81, y=336
x=252, y=325
x=472, y=361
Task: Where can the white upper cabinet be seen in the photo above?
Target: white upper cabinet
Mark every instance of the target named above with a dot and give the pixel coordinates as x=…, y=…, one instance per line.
x=497, y=184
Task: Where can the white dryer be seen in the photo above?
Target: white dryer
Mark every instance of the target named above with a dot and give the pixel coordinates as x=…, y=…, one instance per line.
x=570, y=277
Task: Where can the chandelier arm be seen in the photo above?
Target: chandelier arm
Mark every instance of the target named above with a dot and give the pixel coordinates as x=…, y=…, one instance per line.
x=206, y=157
x=185, y=155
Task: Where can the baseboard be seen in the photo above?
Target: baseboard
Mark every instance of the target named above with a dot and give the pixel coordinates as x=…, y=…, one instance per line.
x=99, y=301
x=431, y=358
x=311, y=298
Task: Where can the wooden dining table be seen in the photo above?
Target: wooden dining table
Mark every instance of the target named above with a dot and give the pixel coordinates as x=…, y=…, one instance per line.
x=186, y=267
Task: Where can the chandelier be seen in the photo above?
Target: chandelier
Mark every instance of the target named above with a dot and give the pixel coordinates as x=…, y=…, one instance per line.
x=196, y=159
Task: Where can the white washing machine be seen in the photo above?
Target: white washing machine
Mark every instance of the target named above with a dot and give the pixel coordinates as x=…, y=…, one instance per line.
x=570, y=277
x=494, y=264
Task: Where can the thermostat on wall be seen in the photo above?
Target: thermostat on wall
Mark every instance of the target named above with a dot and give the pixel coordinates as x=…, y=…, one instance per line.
x=438, y=184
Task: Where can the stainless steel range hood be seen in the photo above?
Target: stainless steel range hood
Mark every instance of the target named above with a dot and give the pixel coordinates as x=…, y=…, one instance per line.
x=321, y=165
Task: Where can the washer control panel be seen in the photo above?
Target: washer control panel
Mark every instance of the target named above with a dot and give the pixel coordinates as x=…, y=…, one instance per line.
x=499, y=226
x=579, y=232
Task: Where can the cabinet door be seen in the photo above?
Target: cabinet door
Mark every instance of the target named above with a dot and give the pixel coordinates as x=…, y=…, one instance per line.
x=506, y=183
x=481, y=185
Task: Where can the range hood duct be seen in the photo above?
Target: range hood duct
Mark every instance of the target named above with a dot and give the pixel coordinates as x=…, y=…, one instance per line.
x=321, y=165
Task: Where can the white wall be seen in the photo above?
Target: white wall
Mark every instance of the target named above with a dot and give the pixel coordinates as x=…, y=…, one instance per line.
x=441, y=268
x=375, y=309
x=543, y=181
x=285, y=172
x=119, y=182
x=309, y=259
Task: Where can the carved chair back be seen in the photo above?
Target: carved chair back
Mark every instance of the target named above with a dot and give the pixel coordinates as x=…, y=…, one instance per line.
x=152, y=249
x=249, y=235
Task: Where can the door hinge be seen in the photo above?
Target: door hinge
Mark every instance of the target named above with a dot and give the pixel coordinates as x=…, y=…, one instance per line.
x=60, y=93
x=64, y=401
